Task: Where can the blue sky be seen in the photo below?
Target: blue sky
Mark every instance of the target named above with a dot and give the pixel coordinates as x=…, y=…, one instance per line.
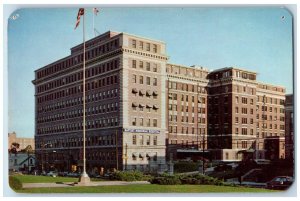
x=257, y=39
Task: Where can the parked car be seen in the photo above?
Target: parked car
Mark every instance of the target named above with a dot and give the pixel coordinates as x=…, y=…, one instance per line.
x=63, y=174
x=52, y=174
x=280, y=183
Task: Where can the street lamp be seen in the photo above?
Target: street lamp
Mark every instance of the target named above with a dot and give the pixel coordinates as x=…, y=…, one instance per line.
x=43, y=146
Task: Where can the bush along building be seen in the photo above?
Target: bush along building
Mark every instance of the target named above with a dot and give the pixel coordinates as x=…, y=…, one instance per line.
x=139, y=109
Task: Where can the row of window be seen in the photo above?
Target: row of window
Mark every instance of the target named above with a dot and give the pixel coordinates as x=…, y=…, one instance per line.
x=186, y=87
x=148, y=66
x=264, y=126
x=107, y=81
x=100, y=123
x=173, y=107
x=101, y=68
x=265, y=99
x=142, y=141
x=104, y=108
x=97, y=51
x=148, y=107
x=78, y=141
x=78, y=101
x=187, y=130
x=144, y=122
x=147, y=80
x=173, y=118
x=186, y=98
x=144, y=45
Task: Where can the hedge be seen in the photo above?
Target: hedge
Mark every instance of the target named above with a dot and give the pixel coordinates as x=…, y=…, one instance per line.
x=129, y=176
x=194, y=179
x=15, y=183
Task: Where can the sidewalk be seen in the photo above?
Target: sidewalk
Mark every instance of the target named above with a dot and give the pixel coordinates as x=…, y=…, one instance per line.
x=72, y=184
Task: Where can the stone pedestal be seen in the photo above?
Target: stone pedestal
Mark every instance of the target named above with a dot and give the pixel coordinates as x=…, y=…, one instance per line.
x=84, y=179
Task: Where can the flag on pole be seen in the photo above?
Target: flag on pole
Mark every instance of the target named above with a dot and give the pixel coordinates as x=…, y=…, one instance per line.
x=80, y=12
x=96, y=11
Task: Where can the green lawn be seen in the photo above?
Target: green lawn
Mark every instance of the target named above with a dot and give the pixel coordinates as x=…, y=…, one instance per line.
x=47, y=179
x=151, y=188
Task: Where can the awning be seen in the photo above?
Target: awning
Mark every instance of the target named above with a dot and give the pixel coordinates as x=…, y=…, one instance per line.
x=170, y=96
x=142, y=92
x=134, y=90
x=148, y=93
x=149, y=154
x=155, y=93
x=134, y=154
x=155, y=107
x=134, y=104
x=142, y=105
x=149, y=106
x=142, y=155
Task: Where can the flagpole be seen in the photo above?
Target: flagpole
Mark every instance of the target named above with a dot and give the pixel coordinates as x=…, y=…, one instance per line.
x=84, y=177
x=94, y=23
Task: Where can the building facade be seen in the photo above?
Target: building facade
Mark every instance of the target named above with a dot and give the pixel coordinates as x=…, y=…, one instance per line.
x=289, y=127
x=125, y=100
x=23, y=142
x=139, y=108
x=186, y=110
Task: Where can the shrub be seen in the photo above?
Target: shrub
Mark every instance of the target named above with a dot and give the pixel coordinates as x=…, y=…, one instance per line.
x=129, y=176
x=15, y=183
x=166, y=180
x=200, y=179
x=185, y=166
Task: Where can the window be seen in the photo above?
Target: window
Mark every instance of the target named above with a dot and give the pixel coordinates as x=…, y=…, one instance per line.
x=134, y=121
x=154, y=122
x=141, y=64
x=237, y=131
x=148, y=140
x=148, y=80
x=148, y=122
x=244, y=100
x=148, y=46
x=236, y=120
x=134, y=78
x=244, y=120
x=148, y=66
x=237, y=99
x=134, y=139
x=154, y=82
x=155, y=48
x=155, y=140
x=141, y=79
x=134, y=43
x=141, y=121
x=244, y=144
x=141, y=140
x=244, y=131
x=155, y=68
x=244, y=110
x=236, y=110
x=133, y=63
x=141, y=45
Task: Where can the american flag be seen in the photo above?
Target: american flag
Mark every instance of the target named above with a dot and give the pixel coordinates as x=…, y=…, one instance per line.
x=80, y=12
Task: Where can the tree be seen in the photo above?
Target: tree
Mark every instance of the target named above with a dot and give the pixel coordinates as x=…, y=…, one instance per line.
x=14, y=147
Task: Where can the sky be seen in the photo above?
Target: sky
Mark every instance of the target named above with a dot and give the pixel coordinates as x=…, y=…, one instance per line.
x=257, y=39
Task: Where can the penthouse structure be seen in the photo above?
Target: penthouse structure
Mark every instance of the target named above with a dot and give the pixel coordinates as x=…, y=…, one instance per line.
x=142, y=110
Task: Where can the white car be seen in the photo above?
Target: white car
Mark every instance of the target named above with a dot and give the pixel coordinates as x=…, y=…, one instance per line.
x=52, y=174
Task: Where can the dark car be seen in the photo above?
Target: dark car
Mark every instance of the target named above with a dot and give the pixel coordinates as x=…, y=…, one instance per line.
x=280, y=183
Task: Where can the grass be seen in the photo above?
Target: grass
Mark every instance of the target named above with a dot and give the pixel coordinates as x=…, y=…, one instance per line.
x=48, y=179
x=151, y=188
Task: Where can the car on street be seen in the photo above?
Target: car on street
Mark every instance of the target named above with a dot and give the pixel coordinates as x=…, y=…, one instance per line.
x=280, y=183
x=52, y=174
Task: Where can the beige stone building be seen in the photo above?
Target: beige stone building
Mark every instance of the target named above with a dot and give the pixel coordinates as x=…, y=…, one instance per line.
x=23, y=142
x=125, y=107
